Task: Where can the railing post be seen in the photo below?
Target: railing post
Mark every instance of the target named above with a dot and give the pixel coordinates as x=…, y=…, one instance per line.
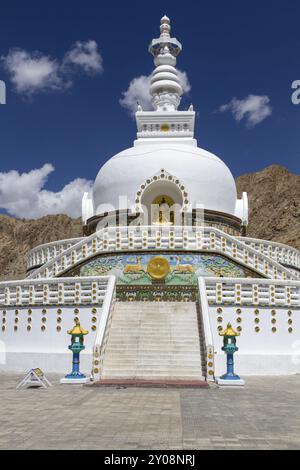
x=107, y=309
x=209, y=344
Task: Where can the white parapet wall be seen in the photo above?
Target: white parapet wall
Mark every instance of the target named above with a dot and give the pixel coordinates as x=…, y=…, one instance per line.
x=154, y=238
x=282, y=254
x=35, y=317
x=44, y=253
x=266, y=313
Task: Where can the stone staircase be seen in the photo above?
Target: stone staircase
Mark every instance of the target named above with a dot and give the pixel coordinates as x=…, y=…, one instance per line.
x=154, y=341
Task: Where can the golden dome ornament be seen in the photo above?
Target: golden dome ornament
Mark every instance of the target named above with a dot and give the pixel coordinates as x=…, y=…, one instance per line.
x=158, y=268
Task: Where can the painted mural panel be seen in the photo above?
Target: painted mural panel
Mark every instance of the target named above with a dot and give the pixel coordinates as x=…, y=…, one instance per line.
x=170, y=269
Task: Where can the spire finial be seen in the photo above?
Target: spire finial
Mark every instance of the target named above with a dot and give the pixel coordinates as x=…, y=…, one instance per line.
x=165, y=26
x=165, y=89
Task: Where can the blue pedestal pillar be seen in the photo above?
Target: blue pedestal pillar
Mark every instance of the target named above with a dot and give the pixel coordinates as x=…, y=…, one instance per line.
x=230, y=375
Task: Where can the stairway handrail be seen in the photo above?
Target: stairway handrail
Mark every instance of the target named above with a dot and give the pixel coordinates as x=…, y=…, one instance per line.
x=208, y=336
x=104, y=322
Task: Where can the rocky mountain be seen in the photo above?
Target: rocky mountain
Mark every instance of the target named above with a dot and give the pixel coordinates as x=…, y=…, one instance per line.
x=274, y=196
x=274, y=201
x=17, y=237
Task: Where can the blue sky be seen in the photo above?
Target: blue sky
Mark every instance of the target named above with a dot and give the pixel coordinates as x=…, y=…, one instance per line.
x=231, y=49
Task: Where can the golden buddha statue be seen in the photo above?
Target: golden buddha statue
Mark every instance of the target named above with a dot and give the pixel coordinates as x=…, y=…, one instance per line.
x=163, y=215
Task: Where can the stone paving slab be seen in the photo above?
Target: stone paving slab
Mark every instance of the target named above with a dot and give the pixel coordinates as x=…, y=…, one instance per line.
x=264, y=415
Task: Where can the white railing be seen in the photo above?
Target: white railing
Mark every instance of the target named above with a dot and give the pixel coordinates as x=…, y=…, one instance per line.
x=162, y=238
x=282, y=254
x=63, y=291
x=207, y=333
x=44, y=253
x=279, y=252
x=295, y=272
x=260, y=292
x=104, y=329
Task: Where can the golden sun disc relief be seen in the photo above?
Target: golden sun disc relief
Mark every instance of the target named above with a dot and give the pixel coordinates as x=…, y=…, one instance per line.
x=158, y=268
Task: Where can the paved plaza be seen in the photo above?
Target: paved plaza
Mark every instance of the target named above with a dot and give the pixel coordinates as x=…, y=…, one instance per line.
x=264, y=415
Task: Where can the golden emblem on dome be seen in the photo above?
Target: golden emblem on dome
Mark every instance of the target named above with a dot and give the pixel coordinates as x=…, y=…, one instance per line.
x=158, y=268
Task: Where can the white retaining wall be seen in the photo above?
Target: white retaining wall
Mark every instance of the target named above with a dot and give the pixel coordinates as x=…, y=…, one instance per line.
x=35, y=335
x=269, y=341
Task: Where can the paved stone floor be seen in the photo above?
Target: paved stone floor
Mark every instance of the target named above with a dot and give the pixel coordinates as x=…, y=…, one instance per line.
x=264, y=415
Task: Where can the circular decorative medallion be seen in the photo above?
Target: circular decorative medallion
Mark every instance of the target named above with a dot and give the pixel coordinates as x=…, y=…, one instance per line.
x=158, y=268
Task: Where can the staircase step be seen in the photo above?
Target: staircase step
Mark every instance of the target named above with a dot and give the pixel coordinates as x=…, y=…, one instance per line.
x=155, y=376
x=118, y=347
x=195, y=383
x=150, y=341
x=154, y=362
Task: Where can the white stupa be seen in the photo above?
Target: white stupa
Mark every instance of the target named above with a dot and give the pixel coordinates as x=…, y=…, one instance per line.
x=164, y=264
x=165, y=141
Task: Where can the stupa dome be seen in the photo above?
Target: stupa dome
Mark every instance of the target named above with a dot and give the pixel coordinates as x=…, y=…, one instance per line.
x=206, y=179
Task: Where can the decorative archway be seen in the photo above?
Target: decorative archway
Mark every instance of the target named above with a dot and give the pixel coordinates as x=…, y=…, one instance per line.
x=162, y=189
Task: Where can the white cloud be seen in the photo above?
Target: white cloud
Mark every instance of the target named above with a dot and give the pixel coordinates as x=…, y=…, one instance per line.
x=254, y=109
x=23, y=195
x=184, y=80
x=138, y=92
x=34, y=72
x=85, y=55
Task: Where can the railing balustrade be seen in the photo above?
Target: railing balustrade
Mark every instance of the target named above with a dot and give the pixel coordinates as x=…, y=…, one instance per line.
x=279, y=252
x=63, y=291
x=270, y=293
x=160, y=238
x=44, y=253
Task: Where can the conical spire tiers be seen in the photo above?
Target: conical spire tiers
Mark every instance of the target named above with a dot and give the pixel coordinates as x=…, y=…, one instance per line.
x=166, y=123
x=165, y=88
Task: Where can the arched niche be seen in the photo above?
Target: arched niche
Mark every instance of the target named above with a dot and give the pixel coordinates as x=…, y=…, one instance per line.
x=162, y=190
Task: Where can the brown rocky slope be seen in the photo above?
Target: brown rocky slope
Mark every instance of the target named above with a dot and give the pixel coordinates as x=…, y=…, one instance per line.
x=17, y=237
x=274, y=202
x=274, y=196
